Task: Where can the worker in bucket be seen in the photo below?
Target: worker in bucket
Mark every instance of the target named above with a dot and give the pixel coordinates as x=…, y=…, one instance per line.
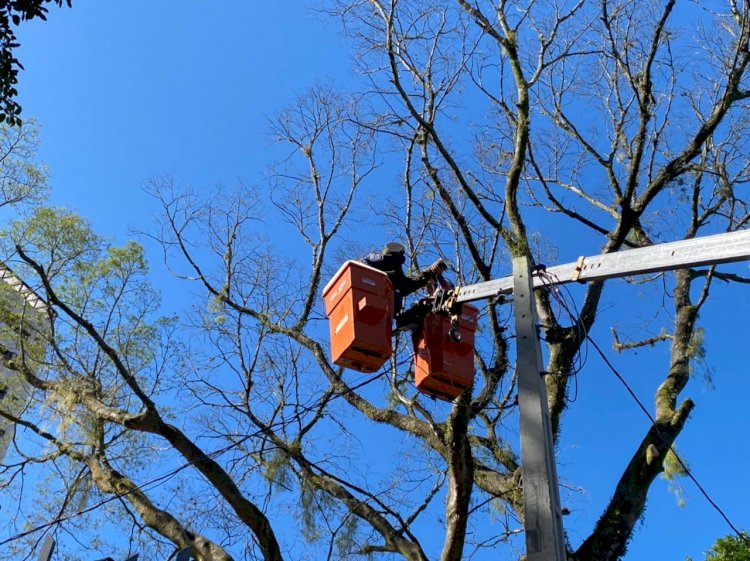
x=390, y=260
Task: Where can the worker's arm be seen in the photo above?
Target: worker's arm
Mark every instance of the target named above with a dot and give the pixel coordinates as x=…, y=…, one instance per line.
x=408, y=285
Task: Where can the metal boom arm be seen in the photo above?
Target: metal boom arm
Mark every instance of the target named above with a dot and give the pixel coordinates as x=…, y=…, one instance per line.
x=543, y=522
x=708, y=250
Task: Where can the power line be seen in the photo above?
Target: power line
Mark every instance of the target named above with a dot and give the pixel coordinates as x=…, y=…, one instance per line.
x=643, y=408
x=551, y=283
x=684, y=467
x=159, y=480
x=143, y=487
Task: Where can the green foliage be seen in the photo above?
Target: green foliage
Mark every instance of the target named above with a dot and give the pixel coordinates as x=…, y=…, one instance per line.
x=217, y=310
x=345, y=538
x=108, y=286
x=12, y=13
x=673, y=470
x=314, y=506
x=730, y=548
x=22, y=178
x=697, y=353
x=309, y=511
x=21, y=326
x=277, y=470
x=60, y=239
x=696, y=347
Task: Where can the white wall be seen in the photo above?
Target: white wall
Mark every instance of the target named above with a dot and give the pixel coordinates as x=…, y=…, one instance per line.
x=15, y=392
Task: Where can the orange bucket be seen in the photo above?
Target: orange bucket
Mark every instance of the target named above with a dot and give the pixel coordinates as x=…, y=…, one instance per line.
x=444, y=368
x=359, y=306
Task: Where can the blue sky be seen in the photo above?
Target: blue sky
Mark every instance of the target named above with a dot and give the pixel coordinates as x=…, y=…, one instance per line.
x=128, y=90
x=125, y=92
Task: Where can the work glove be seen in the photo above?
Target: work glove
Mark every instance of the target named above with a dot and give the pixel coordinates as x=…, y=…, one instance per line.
x=438, y=267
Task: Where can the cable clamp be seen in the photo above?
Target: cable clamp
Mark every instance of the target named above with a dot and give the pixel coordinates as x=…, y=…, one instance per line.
x=579, y=268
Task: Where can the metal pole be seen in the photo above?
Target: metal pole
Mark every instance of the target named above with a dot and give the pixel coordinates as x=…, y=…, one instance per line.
x=47, y=549
x=542, y=517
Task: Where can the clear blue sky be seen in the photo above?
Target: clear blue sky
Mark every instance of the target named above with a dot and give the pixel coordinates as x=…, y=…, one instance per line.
x=128, y=90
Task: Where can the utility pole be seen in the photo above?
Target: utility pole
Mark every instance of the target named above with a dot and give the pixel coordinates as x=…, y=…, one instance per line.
x=542, y=515
x=541, y=496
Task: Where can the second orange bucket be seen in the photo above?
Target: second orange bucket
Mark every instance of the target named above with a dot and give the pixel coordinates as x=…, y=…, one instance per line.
x=444, y=367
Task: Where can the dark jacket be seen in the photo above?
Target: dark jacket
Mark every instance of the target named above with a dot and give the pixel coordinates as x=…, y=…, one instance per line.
x=391, y=265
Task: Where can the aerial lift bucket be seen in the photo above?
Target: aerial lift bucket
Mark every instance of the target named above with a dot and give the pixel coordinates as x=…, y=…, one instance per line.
x=444, y=362
x=359, y=306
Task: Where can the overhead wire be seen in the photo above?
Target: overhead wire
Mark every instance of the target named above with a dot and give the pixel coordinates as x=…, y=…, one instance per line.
x=168, y=475
x=165, y=477
x=551, y=283
x=686, y=470
x=545, y=277
x=116, y=496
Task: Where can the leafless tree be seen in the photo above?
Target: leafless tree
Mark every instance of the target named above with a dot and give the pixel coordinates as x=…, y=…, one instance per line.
x=506, y=122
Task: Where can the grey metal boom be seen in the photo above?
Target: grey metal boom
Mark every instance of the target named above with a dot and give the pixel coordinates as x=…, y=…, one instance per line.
x=708, y=250
x=542, y=513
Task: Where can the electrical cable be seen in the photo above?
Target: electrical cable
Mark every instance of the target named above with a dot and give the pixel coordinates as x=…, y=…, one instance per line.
x=165, y=477
x=544, y=276
x=684, y=467
x=578, y=362
x=143, y=487
x=575, y=318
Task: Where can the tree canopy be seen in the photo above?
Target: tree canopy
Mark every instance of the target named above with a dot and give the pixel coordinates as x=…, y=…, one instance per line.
x=730, y=548
x=225, y=427
x=12, y=13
